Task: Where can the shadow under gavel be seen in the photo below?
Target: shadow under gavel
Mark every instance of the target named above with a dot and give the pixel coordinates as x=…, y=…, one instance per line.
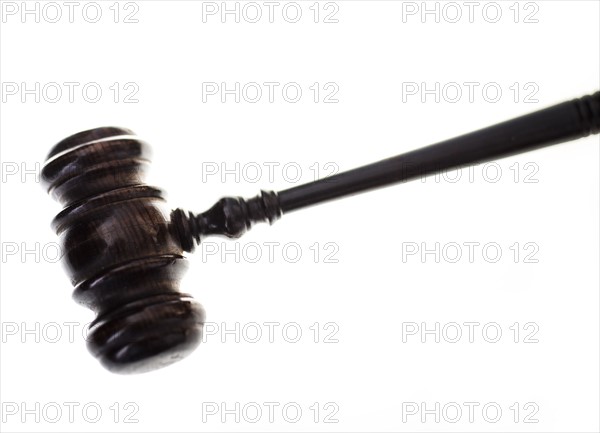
x=123, y=250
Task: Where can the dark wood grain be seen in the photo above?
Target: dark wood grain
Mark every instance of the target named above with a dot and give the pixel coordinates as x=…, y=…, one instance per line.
x=120, y=253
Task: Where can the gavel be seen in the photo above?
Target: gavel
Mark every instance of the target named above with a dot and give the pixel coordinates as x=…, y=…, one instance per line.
x=124, y=252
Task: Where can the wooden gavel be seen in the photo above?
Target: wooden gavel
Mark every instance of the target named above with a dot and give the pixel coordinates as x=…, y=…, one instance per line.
x=124, y=253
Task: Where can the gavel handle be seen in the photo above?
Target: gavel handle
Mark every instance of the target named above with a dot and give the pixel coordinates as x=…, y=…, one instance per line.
x=233, y=216
x=559, y=123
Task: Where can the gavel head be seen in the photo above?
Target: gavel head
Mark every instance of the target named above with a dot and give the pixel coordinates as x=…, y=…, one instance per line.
x=121, y=251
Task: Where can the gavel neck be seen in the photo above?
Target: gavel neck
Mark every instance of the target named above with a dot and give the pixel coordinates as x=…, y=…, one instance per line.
x=230, y=217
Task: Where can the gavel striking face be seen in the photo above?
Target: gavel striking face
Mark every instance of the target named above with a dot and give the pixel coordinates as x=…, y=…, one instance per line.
x=123, y=250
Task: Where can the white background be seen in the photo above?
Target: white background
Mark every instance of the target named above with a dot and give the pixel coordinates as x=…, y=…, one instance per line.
x=374, y=374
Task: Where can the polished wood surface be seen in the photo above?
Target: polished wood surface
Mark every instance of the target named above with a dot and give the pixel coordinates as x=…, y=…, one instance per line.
x=120, y=253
